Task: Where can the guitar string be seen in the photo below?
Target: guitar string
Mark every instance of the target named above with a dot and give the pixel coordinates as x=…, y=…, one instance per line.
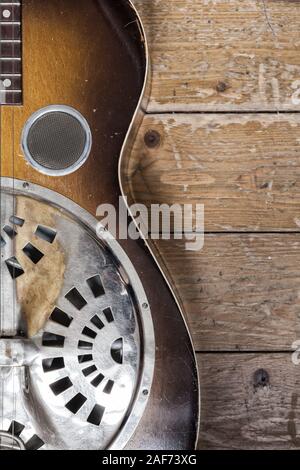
x=3, y=99
x=13, y=248
x=14, y=399
x=1, y=307
x=1, y=326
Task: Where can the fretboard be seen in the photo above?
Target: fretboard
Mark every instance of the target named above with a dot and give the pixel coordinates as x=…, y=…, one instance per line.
x=10, y=53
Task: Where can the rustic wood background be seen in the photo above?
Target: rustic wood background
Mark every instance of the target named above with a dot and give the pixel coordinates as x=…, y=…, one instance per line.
x=225, y=127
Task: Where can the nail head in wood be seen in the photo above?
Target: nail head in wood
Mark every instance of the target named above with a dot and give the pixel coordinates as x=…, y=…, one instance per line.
x=221, y=87
x=152, y=139
x=261, y=378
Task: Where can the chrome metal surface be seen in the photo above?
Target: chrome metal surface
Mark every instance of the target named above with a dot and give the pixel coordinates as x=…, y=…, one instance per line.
x=48, y=143
x=9, y=442
x=83, y=381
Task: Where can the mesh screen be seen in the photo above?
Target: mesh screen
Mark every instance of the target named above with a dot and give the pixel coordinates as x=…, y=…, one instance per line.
x=56, y=140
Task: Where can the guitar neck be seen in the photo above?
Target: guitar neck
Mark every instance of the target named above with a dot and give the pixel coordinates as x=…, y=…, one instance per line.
x=10, y=53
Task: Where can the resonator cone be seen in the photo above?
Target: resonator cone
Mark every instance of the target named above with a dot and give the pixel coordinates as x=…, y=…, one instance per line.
x=76, y=342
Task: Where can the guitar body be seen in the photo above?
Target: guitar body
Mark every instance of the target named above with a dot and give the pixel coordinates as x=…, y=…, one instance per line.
x=91, y=57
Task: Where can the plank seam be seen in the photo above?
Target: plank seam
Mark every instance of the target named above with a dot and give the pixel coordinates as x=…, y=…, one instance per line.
x=237, y=112
x=250, y=351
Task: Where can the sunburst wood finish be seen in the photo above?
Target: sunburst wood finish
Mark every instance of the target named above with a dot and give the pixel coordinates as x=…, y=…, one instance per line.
x=74, y=55
x=91, y=55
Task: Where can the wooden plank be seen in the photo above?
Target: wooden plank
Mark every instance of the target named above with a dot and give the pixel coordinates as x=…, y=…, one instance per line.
x=245, y=169
x=241, y=292
x=239, y=412
x=220, y=55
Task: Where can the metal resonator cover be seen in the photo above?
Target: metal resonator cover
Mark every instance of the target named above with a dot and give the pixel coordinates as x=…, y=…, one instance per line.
x=76, y=338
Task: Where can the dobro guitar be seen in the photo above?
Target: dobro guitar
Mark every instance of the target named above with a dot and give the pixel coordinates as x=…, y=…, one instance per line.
x=94, y=350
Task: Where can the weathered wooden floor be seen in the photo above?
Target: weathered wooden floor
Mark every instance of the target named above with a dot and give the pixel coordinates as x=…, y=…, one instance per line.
x=225, y=105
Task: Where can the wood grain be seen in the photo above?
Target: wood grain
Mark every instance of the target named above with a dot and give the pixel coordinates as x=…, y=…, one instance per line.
x=241, y=292
x=91, y=56
x=220, y=55
x=239, y=412
x=245, y=169
x=64, y=72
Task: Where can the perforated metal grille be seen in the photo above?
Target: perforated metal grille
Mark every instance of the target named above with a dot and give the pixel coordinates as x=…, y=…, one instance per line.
x=56, y=140
x=83, y=369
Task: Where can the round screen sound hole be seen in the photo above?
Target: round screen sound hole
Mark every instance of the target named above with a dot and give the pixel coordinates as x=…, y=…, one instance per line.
x=56, y=140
